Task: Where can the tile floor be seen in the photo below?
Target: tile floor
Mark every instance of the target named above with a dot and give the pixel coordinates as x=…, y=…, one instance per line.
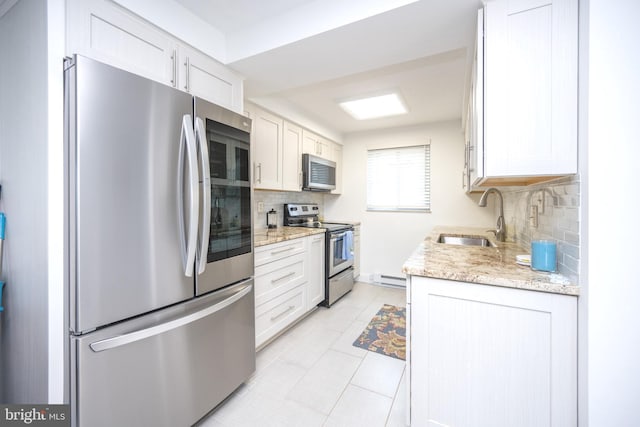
x=313, y=375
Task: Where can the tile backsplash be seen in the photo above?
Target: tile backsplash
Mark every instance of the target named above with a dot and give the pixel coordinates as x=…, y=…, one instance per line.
x=558, y=204
x=276, y=200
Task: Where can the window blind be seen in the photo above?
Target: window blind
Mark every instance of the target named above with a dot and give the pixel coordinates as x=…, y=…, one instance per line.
x=398, y=179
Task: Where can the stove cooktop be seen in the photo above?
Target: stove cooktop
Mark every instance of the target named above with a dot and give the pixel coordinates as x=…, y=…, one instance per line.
x=326, y=225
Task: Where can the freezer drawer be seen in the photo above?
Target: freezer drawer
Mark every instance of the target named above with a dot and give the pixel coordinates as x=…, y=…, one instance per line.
x=168, y=368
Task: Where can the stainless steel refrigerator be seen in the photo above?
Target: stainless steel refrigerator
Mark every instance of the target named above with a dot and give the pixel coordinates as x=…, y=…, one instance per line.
x=159, y=252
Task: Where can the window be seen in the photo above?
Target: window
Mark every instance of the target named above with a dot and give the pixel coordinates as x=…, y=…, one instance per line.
x=398, y=179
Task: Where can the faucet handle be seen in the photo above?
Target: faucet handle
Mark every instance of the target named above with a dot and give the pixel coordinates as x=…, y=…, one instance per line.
x=495, y=232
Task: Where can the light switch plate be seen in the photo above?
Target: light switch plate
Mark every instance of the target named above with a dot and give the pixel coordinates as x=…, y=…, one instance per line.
x=260, y=207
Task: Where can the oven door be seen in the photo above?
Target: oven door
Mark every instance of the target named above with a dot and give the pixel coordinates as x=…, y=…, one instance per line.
x=340, y=251
x=226, y=235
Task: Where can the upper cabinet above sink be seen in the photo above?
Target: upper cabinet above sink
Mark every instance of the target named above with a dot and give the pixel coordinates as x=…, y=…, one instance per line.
x=522, y=118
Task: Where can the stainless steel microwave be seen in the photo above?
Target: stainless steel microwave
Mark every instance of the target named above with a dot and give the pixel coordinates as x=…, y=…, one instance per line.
x=318, y=174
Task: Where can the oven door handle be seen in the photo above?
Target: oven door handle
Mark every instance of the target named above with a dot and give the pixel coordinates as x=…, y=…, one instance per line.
x=338, y=236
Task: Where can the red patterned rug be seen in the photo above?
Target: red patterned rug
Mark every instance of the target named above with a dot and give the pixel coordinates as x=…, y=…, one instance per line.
x=386, y=333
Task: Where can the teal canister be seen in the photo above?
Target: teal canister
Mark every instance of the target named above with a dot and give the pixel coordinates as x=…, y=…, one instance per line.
x=543, y=255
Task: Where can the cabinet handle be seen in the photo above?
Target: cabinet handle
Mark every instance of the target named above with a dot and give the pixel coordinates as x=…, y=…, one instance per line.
x=283, y=277
x=257, y=172
x=291, y=307
x=300, y=179
x=187, y=66
x=281, y=251
x=174, y=68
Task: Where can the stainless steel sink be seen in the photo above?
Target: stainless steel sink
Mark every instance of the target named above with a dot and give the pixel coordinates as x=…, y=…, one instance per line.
x=464, y=240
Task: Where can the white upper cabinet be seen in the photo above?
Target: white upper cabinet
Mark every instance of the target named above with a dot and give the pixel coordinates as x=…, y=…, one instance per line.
x=206, y=78
x=530, y=90
x=475, y=147
x=104, y=31
x=107, y=33
x=277, y=148
x=316, y=145
x=292, y=157
x=266, y=144
x=277, y=151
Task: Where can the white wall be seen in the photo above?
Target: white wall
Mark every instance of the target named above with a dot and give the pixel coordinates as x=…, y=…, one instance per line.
x=57, y=308
x=23, y=174
x=388, y=238
x=613, y=213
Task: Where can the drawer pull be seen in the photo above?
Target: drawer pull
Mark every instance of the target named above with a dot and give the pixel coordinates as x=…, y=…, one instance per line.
x=282, y=250
x=283, y=277
x=291, y=307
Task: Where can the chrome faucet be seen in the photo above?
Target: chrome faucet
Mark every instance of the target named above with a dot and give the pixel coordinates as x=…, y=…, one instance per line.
x=500, y=231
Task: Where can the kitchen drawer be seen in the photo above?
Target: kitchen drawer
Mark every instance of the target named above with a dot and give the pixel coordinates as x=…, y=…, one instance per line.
x=278, y=313
x=277, y=277
x=276, y=251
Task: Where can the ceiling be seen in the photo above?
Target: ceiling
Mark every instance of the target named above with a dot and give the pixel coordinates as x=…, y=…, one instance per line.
x=324, y=52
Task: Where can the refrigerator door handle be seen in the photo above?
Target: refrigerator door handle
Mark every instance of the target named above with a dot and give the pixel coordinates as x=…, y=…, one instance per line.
x=111, y=343
x=201, y=139
x=188, y=140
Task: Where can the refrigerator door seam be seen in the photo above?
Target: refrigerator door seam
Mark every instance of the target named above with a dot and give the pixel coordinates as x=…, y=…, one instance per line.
x=128, y=338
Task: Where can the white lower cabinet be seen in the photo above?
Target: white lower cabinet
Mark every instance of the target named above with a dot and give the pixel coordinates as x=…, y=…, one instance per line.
x=289, y=282
x=490, y=356
x=356, y=251
x=279, y=276
x=315, y=256
x=275, y=315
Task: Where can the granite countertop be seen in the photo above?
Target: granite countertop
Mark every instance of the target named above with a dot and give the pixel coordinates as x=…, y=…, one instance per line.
x=484, y=265
x=265, y=236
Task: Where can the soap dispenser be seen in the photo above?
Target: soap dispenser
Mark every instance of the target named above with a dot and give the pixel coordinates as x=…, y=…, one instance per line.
x=272, y=219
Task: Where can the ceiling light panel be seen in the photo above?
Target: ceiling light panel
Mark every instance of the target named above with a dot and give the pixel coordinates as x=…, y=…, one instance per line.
x=375, y=107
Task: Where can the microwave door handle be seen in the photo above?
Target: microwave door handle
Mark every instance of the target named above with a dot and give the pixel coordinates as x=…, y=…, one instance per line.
x=201, y=140
x=189, y=236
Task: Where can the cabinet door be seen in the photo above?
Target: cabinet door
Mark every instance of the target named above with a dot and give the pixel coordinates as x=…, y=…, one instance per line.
x=315, y=283
x=206, y=78
x=107, y=33
x=266, y=141
x=310, y=142
x=292, y=157
x=325, y=148
x=487, y=355
x=475, y=147
x=356, y=251
x=531, y=87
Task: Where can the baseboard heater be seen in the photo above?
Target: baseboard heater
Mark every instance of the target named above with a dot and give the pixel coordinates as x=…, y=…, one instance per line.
x=388, y=280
